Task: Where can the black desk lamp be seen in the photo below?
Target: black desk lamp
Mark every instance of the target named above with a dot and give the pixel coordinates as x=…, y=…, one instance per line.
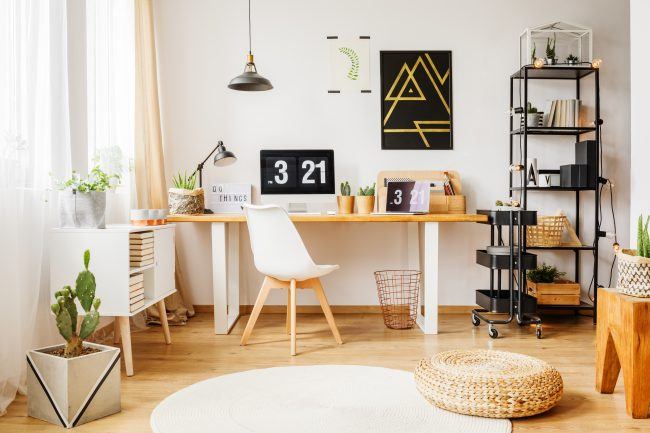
x=221, y=159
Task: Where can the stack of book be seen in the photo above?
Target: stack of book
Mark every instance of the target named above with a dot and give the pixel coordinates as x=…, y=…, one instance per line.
x=141, y=249
x=136, y=291
x=563, y=113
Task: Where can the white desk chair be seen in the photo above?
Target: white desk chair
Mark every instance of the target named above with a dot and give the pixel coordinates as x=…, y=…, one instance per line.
x=281, y=256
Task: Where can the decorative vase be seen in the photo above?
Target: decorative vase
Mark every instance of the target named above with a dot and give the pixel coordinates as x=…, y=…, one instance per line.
x=345, y=204
x=532, y=120
x=73, y=391
x=365, y=204
x=186, y=201
x=82, y=209
x=633, y=274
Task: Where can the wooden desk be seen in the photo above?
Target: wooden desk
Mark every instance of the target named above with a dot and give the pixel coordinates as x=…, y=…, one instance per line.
x=421, y=255
x=623, y=341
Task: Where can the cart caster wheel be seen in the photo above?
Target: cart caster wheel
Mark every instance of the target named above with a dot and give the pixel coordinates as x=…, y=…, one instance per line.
x=538, y=332
x=475, y=320
x=492, y=332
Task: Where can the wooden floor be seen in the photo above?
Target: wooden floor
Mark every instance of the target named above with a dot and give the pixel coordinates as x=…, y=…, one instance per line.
x=197, y=354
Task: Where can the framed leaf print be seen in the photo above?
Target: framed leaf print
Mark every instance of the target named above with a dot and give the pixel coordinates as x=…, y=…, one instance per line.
x=416, y=100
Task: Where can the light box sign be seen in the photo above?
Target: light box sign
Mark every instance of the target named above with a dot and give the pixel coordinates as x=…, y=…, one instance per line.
x=228, y=197
x=297, y=171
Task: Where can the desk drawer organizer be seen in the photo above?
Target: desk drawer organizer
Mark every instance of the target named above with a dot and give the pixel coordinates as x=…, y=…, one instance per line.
x=438, y=203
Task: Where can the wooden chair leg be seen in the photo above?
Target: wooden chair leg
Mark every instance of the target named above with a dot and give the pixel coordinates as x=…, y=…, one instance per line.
x=292, y=303
x=288, y=324
x=259, y=303
x=116, y=331
x=162, y=312
x=125, y=331
x=320, y=294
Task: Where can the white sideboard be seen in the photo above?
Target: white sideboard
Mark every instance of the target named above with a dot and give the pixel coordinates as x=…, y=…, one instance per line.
x=109, y=262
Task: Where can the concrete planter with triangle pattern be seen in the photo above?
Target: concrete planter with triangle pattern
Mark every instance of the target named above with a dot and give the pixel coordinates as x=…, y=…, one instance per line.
x=73, y=391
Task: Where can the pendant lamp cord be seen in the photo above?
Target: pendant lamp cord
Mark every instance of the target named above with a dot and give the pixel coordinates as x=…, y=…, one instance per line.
x=250, y=49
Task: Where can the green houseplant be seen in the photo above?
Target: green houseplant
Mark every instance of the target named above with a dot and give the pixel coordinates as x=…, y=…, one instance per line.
x=634, y=265
x=56, y=392
x=184, y=197
x=82, y=201
x=572, y=60
x=345, y=201
x=551, y=58
x=366, y=199
x=532, y=116
x=547, y=285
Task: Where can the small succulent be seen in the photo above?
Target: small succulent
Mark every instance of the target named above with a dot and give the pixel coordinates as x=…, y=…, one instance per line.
x=345, y=188
x=367, y=191
x=183, y=181
x=65, y=310
x=572, y=59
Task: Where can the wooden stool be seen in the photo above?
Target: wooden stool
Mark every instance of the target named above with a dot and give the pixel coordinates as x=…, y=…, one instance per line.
x=623, y=340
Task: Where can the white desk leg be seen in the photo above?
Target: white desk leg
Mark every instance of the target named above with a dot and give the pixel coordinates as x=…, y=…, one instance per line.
x=430, y=272
x=225, y=275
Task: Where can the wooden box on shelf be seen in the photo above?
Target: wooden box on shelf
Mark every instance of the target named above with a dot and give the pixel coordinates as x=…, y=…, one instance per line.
x=560, y=292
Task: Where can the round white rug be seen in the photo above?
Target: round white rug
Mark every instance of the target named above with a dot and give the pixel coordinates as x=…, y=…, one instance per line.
x=312, y=399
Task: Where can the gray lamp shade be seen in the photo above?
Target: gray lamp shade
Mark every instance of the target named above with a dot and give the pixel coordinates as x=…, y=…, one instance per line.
x=250, y=80
x=224, y=157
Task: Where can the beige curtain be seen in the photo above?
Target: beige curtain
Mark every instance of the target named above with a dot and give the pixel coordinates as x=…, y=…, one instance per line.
x=149, y=159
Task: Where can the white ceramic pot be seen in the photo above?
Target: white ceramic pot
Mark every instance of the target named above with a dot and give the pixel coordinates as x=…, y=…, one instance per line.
x=82, y=209
x=73, y=391
x=532, y=120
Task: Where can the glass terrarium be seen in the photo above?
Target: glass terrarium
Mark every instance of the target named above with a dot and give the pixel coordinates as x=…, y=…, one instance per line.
x=557, y=43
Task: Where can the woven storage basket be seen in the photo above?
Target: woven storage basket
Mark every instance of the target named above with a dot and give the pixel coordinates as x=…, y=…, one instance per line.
x=185, y=201
x=633, y=274
x=547, y=232
x=489, y=383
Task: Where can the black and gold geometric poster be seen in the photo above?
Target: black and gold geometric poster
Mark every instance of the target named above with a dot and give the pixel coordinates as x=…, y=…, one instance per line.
x=416, y=110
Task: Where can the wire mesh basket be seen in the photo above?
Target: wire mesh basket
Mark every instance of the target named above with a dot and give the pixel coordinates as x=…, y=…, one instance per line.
x=398, y=296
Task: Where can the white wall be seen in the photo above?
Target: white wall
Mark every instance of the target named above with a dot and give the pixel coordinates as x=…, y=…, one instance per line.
x=202, y=45
x=640, y=95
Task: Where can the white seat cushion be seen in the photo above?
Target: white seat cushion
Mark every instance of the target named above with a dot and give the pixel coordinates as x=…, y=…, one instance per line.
x=292, y=273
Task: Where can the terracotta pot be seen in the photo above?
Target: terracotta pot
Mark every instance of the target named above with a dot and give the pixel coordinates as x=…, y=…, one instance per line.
x=365, y=204
x=345, y=204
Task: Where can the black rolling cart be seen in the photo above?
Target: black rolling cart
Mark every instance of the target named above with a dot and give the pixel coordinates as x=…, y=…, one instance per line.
x=498, y=257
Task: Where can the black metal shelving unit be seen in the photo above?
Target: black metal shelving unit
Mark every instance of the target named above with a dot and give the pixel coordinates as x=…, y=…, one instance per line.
x=574, y=73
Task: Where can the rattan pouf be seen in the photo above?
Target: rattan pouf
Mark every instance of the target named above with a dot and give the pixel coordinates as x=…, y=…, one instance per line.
x=489, y=383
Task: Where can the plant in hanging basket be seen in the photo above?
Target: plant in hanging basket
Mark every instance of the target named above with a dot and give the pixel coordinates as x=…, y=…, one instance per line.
x=634, y=265
x=184, y=198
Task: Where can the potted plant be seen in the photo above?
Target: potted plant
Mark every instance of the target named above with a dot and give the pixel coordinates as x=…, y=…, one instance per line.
x=345, y=201
x=634, y=265
x=507, y=206
x=532, y=116
x=550, y=51
x=82, y=202
x=77, y=382
x=546, y=284
x=572, y=60
x=366, y=199
x=184, y=198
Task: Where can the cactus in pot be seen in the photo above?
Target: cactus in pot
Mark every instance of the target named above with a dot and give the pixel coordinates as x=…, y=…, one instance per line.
x=366, y=199
x=65, y=310
x=345, y=201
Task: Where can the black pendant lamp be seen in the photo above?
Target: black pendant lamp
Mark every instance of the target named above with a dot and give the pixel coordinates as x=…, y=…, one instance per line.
x=250, y=80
